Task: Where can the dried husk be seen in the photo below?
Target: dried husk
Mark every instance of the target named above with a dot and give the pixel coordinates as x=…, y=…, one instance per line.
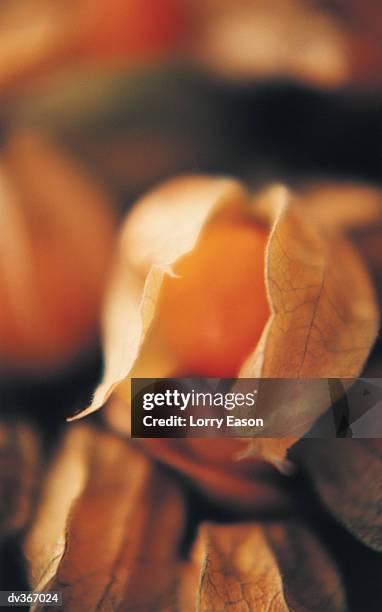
x=52, y=273
x=238, y=569
x=323, y=321
x=109, y=526
x=108, y=533
x=161, y=228
x=281, y=566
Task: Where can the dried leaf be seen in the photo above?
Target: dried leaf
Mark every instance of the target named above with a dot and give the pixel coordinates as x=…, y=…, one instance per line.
x=347, y=475
x=19, y=469
x=238, y=570
x=324, y=322
x=324, y=315
x=108, y=528
x=162, y=227
x=278, y=567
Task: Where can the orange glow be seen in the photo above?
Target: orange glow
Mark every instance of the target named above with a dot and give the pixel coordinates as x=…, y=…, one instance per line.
x=136, y=28
x=213, y=315
x=56, y=245
x=60, y=304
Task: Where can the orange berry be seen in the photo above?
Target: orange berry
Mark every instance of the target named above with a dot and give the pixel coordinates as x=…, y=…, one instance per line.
x=213, y=313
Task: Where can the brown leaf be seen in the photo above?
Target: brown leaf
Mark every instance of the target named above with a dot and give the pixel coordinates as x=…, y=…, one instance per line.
x=238, y=570
x=325, y=320
x=276, y=567
x=348, y=477
x=108, y=528
x=19, y=469
x=325, y=316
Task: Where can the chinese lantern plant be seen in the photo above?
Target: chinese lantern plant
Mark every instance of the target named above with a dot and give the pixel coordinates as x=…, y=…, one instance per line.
x=58, y=230
x=213, y=282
